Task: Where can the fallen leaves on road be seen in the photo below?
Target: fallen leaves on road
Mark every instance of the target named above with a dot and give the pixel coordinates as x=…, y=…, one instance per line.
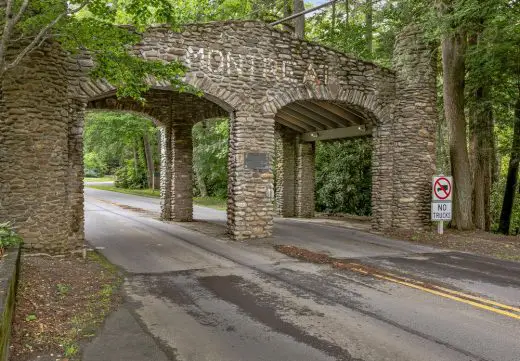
x=304, y=254
x=479, y=242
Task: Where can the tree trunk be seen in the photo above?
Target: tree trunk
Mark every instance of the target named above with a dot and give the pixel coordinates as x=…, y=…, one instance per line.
x=369, y=24
x=157, y=167
x=287, y=11
x=299, y=22
x=482, y=134
x=334, y=16
x=512, y=174
x=201, y=185
x=149, y=159
x=453, y=52
x=136, y=158
x=347, y=14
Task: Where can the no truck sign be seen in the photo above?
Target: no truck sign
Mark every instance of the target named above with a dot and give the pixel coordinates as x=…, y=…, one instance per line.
x=441, y=211
x=442, y=194
x=442, y=189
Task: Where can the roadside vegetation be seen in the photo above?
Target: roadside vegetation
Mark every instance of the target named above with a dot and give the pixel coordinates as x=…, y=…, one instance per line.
x=8, y=238
x=99, y=179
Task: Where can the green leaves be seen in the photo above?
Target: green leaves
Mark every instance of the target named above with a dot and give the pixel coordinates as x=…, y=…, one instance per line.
x=343, y=176
x=110, y=140
x=8, y=236
x=210, y=156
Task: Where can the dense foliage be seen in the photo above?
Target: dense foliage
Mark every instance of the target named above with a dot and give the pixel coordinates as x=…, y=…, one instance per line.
x=343, y=176
x=116, y=143
x=210, y=157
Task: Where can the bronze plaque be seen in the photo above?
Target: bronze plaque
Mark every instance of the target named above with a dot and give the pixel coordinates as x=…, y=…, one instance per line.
x=257, y=161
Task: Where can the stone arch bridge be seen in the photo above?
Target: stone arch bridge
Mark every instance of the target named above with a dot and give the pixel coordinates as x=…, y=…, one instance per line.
x=279, y=92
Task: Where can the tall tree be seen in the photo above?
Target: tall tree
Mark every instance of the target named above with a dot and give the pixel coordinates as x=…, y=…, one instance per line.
x=512, y=173
x=148, y=155
x=299, y=22
x=482, y=146
x=453, y=53
x=369, y=24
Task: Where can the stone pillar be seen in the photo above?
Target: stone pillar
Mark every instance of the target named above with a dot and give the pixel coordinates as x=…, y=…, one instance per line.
x=76, y=172
x=414, y=130
x=305, y=179
x=36, y=134
x=382, y=175
x=250, y=185
x=166, y=171
x=285, y=172
x=181, y=171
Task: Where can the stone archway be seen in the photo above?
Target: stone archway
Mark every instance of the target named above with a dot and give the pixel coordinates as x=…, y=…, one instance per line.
x=246, y=69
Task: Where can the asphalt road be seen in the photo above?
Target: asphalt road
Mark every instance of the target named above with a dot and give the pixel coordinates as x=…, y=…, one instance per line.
x=190, y=296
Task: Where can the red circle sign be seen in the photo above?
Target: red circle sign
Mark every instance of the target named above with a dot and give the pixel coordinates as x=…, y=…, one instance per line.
x=442, y=188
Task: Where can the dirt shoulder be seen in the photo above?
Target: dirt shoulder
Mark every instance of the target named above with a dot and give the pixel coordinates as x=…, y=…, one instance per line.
x=479, y=242
x=61, y=302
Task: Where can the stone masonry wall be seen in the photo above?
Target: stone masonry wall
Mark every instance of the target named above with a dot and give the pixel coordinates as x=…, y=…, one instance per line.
x=242, y=67
x=286, y=171
x=305, y=179
x=254, y=70
x=166, y=171
x=414, y=131
x=35, y=165
x=182, y=171
x=250, y=190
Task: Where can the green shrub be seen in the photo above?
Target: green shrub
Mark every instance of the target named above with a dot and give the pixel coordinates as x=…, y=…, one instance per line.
x=8, y=237
x=343, y=176
x=127, y=176
x=94, y=166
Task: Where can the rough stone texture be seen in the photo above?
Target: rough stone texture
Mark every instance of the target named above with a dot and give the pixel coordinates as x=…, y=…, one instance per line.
x=305, y=179
x=166, y=172
x=250, y=191
x=36, y=134
x=9, y=273
x=182, y=172
x=76, y=171
x=286, y=171
x=414, y=131
x=244, y=68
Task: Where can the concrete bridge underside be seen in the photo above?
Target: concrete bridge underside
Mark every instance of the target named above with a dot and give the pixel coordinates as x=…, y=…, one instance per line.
x=279, y=93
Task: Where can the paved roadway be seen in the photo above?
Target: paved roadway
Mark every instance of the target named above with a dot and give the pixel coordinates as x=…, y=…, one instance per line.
x=191, y=296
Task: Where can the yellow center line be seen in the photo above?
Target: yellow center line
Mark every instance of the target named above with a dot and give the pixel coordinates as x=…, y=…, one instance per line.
x=442, y=294
x=447, y=290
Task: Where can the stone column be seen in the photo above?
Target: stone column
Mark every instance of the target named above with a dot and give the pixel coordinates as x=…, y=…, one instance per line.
x=250, y=186
x=305, y=179
x=34, y=147
x=285, y=172
x=382, y=175
x=76, y=172
x=181, y=171
x=166, y=171
x=414, y=130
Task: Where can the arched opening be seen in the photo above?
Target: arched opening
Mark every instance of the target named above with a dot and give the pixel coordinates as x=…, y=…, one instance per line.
x=323, y=158
x=174, y=116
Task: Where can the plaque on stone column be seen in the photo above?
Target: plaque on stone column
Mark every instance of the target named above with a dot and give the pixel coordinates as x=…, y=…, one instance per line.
x=257, y=161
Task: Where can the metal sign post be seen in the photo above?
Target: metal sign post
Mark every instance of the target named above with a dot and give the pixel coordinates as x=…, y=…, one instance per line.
x=442, y=194
x=440, y=227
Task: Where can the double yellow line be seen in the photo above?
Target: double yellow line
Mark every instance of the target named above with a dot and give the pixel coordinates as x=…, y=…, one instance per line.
x=479, y=302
